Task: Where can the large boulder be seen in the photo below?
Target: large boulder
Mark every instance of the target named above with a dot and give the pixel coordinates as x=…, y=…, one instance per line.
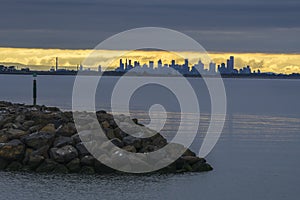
x=47, y=166
x=62, y=141
x=82, y=149
x=67, y=130
x=15, y=133
x=12, y=150
x=74, y=165
x=38, y=139
x=87, y=160
x=34, y=161
x=49, y=128
x=63, y=154
x=132, y=141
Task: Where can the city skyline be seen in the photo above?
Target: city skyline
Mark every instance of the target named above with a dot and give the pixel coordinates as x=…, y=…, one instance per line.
x=186, y=68
x=43, y=59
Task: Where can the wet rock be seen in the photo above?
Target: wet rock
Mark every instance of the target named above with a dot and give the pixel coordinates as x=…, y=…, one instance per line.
x=35, y=128
x=43, y=151
x=63, y=154
x=192, y=159
x=76, y=138
x=15, y=133
x=148, y=148
x=105, y=124
x=74, y=165
x=82, y=149
x=28, y=124
x=38, y=139
x=110, y=134
x=47, y=166
x=87, y=160
x=101, y=168
x=117, y=142
x=129, y=149
x=3, y=163
x=14, y=166
x=133, y=141
x=62, y=141
x=3, y=136
x=34, y=161
x=61, y=169
x=201, y=167
x=45, y=140
x=188, y=152
x=49, y=128
x=87, y=170
x=20, y=118
x=67, y=130
x=12, y=150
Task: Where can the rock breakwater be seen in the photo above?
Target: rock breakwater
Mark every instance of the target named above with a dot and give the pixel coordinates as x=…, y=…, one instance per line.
x=45, y=139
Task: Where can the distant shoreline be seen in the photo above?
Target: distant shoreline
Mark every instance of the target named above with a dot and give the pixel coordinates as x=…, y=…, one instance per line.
x=113, y=73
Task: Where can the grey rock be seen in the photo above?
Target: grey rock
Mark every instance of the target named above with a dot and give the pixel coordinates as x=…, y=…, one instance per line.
x=63, y=154
x=3, y=163
x=192, y=159
x=14, y=166
x=130, y=148
x=35, y=161
x=87, y=160
x=67, y=130
x=62, y=141
x=38, y=139
x=43, y=151
x=28, y=124
x=133, y=141
x=87, y=170
x=61, y=169
x=101, y=168
x=47, y=166
x=35, y=128
x=74, y=165
x=76, y=138
x=81, y=149
x=15, y=133
x=117, y=142
x=201, y=167
x=13, y=150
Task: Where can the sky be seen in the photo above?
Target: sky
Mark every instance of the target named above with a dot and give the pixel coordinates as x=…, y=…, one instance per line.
x=238, y=26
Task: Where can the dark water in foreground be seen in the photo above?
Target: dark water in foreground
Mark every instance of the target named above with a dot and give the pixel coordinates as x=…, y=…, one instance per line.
x=255, y=158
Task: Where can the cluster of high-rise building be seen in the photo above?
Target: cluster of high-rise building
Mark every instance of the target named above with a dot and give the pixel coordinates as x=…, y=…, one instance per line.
x=184, y=68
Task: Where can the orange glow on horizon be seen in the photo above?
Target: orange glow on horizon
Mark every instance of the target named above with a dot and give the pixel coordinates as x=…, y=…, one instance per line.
x=43, y=59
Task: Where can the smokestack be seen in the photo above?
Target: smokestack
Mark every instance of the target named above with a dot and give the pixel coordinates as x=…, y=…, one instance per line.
x=56, y=63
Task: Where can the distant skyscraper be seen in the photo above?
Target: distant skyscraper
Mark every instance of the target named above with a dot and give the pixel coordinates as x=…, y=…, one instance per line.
x=159, y=64
x=231, y=64
x=99, y=68
x=212, y=68
x=121, y=67
x=151, y=64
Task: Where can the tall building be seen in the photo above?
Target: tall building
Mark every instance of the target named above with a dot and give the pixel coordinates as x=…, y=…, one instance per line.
x=212, y=68
x=230, y=65
x=121, y=67
x=159, y=64
x=151, y=64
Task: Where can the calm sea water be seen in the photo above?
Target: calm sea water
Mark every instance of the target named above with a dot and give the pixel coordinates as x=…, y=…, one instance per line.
x=257, y=156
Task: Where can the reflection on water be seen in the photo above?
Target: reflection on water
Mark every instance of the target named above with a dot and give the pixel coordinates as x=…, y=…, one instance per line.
x=255, y=158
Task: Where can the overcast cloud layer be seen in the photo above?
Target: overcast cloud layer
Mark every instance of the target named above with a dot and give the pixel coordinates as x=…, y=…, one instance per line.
x=233, y=25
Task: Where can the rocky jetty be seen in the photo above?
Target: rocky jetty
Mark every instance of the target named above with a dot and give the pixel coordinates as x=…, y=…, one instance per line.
x=44, y=139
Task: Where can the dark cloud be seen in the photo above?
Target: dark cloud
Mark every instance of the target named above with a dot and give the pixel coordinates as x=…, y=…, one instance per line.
x=232, y=25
